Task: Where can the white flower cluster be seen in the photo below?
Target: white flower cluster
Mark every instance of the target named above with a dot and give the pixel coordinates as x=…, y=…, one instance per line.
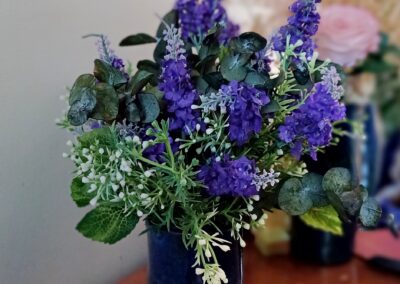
x=264, y=179
x=213, y=274
x=106, y=171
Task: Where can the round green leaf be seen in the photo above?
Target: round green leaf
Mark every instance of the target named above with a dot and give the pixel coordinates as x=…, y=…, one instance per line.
x=351, y=201
x=233, y=67
x=105, y=73
x=137, y=39
x=79, y=111
x=107, y=103
x=84, y=83
x=312, y=184
x=293, y=199
x=370, y=213
x=249, y=42
x=337, y=180
x=132, y=112
x=149, y=106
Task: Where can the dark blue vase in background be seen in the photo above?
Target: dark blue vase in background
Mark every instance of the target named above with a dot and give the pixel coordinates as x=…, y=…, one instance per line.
x=361, y=157
x=171, y=263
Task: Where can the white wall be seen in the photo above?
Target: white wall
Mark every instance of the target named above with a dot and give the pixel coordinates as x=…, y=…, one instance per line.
x=41, y=52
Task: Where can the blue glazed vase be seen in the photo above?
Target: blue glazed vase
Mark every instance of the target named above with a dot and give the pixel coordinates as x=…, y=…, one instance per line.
x=171, y=263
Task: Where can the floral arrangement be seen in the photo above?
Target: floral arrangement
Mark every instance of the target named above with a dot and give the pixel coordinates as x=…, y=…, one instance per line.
x=210, y=133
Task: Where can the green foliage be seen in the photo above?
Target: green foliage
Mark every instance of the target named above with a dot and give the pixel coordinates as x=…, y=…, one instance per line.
x=370, y=213
x=102, y=137
x=325, y=219
x=139, y=81
x=81, y=108
x=80, y=192
x=248, y=43
x=293, y=198
x=337, y=180
x=107, y=103
x=171, y=18
x=84, y=83
x=137, y=39
x=233, y=67
x=105, y=73
x=107, y=224
x=312, y=184
x=149, y=106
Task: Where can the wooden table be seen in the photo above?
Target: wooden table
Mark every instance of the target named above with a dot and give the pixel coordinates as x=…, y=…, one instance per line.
x=285, y=270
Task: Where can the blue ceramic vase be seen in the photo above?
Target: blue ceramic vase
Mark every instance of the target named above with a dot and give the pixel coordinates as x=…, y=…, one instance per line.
x=171, y=263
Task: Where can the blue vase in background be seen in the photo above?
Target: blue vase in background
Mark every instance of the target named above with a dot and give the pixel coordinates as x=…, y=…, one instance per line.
x=171, y=263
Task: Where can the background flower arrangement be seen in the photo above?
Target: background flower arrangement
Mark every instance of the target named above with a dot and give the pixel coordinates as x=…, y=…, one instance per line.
x=210, y=133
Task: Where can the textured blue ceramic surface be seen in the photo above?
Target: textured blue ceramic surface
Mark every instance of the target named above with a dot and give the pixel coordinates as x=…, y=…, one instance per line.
x=171, y=263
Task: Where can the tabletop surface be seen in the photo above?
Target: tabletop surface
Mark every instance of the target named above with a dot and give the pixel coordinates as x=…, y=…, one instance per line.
x=285, y=270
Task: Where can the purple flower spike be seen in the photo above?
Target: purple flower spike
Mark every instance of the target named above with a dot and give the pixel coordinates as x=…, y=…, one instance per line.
x=245, y=117
x=197, y=17
x=310, y=126
x=230, y=177
x=179, y=93
x=302, y=25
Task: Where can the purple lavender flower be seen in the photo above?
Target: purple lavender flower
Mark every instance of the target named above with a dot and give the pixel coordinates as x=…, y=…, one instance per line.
x=230, y=177
x=197, y=17
x=245, y=117
x=176, y=84
x=310, y=126
x=302, y=25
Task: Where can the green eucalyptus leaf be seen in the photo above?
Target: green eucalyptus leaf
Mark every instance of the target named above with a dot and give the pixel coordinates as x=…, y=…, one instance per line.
x=83, y=84
x=80, y=110
x=160, y=51
x=105, y=73
x=137, y=39
x=132, y=112
x=256, y=79
x=337, y=180
x=325, y=219
x=107, y=103
x=139, y=81
x=149, y=106
x=293, y=199
x=214, y=79
x=80, y=192
x=171, y=18
x=336, y=202
x=370, y=213
x=249, y=43
x=104, y=136
x=107, y=224
x=312, y=184
x=272, y=107
x=233, y=67
x=301, y=74
x=352, y=202
x=149, y=66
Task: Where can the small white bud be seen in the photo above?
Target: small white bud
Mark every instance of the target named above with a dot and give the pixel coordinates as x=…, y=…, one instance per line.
x=279, y=152
x=101, y=151
x=225, y=248
x=103, y=179
x=57, y=120
x=93, y=202
x=198, y=127
x=148, y=174
x=115, y=187
x=209, y=131
x=118, y=154
x=254, y=217
x=250, y=207
x=144, y=196
x=65, y=155
x=246, y=226
x=121, y=195
x=145, y=144
x=208, y=253
x=139, y=213
x=199, y=271
x=136, y=139
x=218, y=159
x=69, y=143
x=140, y=186
x=256, y=198
x=85, y=180
x=202, y=242
x=242, y=243
x=206, y=120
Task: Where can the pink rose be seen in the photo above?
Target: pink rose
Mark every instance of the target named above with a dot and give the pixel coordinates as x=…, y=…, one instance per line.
x=347, y=34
